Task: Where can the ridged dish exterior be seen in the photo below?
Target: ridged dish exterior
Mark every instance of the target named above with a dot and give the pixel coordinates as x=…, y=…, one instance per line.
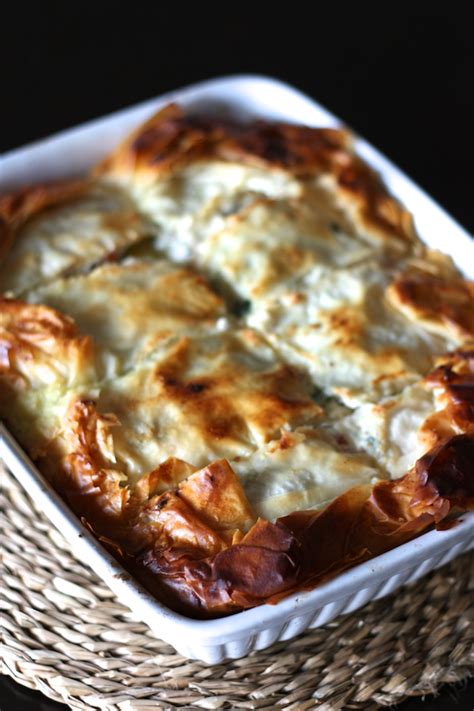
x=291, y=627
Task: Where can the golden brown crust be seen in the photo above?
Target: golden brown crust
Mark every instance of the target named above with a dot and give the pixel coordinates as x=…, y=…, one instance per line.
x=19, y=206
x=133, y=307
x=187, y=550
x=171, y=523
x=42, y=356
x=171, y=139
x=233, y=398
x=442, y=304
x=166, y=476
x=35, y=337
x=453, y=382
x=217, y=496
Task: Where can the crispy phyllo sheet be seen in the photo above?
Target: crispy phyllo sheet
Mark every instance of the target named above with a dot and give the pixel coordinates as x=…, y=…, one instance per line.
x=305, y=548
x=64, y=228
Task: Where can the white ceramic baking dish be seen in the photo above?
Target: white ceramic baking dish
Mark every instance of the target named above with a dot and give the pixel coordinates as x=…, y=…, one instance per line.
x=72, y=152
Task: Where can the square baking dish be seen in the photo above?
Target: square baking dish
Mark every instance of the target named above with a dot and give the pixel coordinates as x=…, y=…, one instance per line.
x=72, y=153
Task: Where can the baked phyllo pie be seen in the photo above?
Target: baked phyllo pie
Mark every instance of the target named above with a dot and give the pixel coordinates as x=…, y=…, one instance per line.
x=229, y=351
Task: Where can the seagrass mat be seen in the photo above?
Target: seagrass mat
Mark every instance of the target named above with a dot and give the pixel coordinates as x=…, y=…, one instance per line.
x=64, y=633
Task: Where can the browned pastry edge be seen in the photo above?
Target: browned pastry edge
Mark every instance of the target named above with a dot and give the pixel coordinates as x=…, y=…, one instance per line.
x=31, y=334
x=171, y=139
x=453, y=382
x=438, y=302
x=18, y=207
x=306, y=548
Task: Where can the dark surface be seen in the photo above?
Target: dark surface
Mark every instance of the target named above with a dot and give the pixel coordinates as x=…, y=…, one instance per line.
x=400, y=76
x=18, y=698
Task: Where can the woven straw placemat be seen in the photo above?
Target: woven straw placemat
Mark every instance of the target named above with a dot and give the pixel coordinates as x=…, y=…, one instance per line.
x=64, y=633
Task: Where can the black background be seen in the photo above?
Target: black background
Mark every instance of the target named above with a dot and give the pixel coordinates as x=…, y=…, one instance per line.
x=401, y=75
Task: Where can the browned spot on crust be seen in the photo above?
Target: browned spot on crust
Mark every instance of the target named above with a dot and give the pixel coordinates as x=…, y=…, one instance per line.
x=167, y=474
x=234, y=398
x=217, y=496
x=288, y=146
x=183, y=390
x=439, y=301
x=286, y=441
x=221, y=427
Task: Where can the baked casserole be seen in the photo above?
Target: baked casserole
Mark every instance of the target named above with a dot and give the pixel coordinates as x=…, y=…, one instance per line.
x=231, y=354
